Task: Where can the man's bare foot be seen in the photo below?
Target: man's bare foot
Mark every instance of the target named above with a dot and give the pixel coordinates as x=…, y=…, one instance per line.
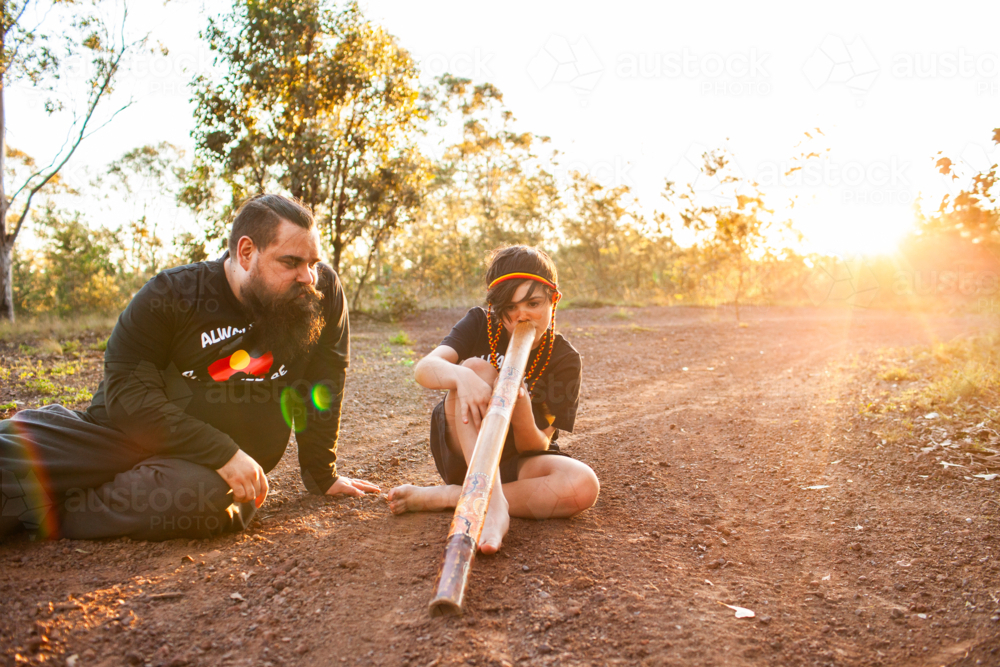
x=496, y=524
x=410, y=498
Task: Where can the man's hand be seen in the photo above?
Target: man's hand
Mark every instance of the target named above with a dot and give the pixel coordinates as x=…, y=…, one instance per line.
x=246, y=478
x=351, y=487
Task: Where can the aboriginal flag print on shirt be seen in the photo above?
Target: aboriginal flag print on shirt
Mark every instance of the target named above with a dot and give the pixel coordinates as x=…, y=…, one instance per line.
x=240, y=361
x=180, y=378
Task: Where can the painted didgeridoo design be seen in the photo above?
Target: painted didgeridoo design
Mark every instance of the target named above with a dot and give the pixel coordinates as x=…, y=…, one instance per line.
x=467, y=525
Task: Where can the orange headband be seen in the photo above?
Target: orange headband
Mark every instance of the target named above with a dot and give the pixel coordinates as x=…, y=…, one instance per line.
x=523, y=276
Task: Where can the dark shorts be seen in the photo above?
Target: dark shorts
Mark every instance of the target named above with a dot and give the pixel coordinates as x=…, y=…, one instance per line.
x=452, y=466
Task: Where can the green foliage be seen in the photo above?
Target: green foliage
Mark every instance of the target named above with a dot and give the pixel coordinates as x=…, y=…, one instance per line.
x=957, y=379
x=73, y=273
x=897, y=374
x=321, y=104
x=38, y=39
x=396, y=301
x=43, y=386
x=736, y=230
x=490, y=188
x=971, y=215
x=401, y=339
x=610, y=251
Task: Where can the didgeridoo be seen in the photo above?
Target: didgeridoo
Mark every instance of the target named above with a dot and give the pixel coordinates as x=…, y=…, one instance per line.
x=467, y=526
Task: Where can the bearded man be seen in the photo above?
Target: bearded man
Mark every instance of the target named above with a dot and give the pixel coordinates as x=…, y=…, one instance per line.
x=206, y=374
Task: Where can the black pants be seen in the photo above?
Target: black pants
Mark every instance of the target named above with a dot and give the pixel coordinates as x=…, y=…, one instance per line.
x=62, y=475
x=452, y=466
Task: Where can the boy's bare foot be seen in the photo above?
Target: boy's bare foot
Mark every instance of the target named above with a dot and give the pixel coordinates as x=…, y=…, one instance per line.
x=496, y=524
x=410, y=498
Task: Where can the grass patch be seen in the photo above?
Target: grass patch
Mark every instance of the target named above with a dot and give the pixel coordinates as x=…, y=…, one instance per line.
x=43, y=386
x=33, y=328
x=401, y=339
x=958, y=380
x=584, y=302
x=897, y=374
x=622, y=314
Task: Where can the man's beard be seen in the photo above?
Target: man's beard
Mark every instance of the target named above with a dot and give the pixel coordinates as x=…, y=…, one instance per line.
x=286, y=325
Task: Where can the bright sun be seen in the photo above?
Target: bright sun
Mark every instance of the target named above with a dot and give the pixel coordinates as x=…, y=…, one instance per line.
x=832, y=226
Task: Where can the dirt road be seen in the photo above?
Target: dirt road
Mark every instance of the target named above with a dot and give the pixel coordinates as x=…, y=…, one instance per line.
x=734, y=467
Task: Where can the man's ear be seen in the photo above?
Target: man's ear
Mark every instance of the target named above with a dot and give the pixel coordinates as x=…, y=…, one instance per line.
x=245, y=249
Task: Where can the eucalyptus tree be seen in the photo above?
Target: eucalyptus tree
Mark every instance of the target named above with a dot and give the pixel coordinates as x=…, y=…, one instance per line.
x=41, y=41
x=316, y=101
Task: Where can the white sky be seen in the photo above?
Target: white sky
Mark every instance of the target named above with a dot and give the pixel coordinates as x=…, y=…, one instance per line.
x=890, y=85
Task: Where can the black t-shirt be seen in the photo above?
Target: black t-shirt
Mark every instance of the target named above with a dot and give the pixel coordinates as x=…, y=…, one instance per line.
x=179, y=381
x=556, y=395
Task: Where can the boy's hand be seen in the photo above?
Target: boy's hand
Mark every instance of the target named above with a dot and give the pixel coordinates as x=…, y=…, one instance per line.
x=523, y=393
x=245, y=477
x=473, y=397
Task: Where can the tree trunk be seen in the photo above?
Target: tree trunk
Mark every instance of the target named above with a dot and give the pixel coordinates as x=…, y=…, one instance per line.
x=6, y=280
x=6, y=239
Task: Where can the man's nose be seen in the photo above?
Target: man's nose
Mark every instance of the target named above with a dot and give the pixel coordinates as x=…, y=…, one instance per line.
x=306, y=276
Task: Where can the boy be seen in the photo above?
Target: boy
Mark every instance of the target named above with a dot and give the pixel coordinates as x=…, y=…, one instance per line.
x=536, y=479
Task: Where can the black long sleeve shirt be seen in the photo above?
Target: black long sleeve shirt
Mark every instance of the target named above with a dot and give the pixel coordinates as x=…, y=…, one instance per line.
x=179, y=380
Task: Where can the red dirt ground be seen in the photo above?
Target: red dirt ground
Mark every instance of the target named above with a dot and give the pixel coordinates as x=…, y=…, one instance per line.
x=705, y=437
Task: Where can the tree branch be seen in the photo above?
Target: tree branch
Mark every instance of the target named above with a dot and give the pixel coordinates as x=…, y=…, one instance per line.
x=103, y=89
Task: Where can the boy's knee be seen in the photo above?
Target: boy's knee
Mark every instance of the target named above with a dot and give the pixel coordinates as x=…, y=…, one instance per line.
x=482, y=368
x=587, y=488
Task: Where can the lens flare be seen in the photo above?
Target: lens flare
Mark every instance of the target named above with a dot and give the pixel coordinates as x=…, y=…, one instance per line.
x=293, y=409
x=321, y=397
